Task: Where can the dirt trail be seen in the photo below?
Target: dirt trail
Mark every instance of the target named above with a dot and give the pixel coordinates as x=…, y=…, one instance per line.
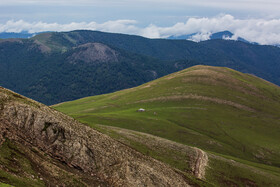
x=200, y=163
x=198, y=97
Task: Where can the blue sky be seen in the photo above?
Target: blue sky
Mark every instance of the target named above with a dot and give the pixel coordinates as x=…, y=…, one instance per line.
x=251, y=19
x=159, y=12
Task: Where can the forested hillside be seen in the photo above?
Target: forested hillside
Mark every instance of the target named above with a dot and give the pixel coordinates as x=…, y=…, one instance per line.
x=61, y=66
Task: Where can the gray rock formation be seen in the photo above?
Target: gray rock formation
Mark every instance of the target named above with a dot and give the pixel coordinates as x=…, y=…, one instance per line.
x=93, y=53
x=62, y=138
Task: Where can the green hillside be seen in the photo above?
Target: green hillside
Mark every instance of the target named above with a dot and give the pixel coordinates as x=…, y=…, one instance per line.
x=219, y=110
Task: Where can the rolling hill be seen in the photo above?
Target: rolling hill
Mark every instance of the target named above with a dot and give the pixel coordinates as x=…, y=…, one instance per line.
x=233, y=117
x=55, y=67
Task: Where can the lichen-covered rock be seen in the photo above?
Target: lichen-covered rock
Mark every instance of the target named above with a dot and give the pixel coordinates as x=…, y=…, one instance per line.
x=79, y=146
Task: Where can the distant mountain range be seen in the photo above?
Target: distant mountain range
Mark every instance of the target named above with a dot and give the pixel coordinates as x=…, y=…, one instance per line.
x=225, y=35
x=213, y=36
x=24, y=34
x=60, y=66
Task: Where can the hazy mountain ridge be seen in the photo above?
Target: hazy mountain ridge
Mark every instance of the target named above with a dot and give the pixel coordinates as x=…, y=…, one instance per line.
x=6, y=35
x=223, y=35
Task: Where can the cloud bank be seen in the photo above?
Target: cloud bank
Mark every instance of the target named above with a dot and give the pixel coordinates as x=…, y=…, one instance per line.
x=262, y=31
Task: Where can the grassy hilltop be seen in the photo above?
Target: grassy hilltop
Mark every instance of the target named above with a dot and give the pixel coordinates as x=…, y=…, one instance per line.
x=219, y=110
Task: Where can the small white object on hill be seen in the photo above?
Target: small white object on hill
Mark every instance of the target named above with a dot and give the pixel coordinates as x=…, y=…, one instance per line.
x=141, y=110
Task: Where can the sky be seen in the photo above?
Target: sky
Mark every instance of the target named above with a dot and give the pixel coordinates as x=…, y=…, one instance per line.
x=254, y=20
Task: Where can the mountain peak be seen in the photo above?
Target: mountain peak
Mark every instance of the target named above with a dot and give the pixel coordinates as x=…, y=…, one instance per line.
x=221, y=35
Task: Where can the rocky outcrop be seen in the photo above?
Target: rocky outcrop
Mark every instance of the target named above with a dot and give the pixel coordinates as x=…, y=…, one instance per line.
x=93, y=53
x=78, y=146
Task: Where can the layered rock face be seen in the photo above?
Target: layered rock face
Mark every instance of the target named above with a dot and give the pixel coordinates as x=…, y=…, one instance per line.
x=79, y=147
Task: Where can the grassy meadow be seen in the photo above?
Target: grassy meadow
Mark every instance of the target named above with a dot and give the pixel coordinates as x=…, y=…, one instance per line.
x=226, y=113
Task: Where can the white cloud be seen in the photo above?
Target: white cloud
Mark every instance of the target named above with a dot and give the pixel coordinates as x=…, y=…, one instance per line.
x=200, y=37
x=263, y=31
x=120, y=26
